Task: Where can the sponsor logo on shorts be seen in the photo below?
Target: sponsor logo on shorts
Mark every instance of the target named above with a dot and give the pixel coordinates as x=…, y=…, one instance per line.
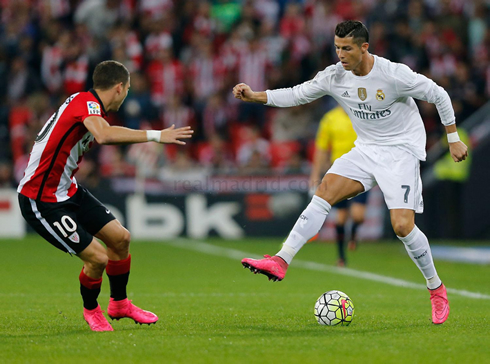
x=74, y=237
x=93, y=108
x=107, y=211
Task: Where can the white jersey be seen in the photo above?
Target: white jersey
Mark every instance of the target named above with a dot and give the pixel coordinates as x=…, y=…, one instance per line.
x=379, y=104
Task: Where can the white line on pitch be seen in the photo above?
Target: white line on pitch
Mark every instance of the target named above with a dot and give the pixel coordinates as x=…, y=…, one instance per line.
x=210, y=249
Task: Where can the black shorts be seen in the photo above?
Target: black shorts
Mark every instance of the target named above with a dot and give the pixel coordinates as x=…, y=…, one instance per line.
x=361, y=199
x=69, y=225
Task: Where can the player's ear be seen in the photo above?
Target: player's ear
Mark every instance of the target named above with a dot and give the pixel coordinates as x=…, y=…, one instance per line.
x=364, y=47
x=119, y=88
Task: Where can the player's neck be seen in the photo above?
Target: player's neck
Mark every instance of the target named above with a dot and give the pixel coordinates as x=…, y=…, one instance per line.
x=106, y=96
x=365, y=66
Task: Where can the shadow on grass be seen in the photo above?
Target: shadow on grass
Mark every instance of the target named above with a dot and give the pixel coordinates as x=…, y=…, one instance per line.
x=313, y=330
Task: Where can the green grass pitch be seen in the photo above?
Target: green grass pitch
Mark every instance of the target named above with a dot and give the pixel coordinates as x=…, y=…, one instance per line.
x=213, y=311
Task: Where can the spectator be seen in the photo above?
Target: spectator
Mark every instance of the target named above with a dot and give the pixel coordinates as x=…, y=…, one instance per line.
x=252, y=68
x=296, y=165
x=206, y=73
x=166, y=77
x=292, y=124
x=197, y=49
x=182, y=168
x=22, y=81
x=138, y=108
x=216, y=117
x=126, y=42
x=75, y=68
x=255, y=165
x=177, y=113
x=293, y=21
x=98, y=15
x=216, y=156
x=253, y=147
x=6, y=175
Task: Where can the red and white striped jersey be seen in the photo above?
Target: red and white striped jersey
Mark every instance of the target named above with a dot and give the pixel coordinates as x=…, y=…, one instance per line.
x=166, y=80
x=207, y=74
x=75, y=75
x=59, y=148
x=252, y=69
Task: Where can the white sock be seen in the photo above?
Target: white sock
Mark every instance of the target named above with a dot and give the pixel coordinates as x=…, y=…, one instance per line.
x=418, y=249
x=307, y=226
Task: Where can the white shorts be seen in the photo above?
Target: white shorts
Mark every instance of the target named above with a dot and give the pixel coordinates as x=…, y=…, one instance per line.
x=395, y=170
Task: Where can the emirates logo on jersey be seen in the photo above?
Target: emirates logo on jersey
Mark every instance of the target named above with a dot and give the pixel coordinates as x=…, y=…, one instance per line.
x=93, y=108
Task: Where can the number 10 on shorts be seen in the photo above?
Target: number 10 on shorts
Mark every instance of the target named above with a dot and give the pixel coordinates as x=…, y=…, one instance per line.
x=68, y=225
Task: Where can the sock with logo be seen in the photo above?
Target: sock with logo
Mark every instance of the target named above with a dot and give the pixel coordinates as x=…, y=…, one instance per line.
x=418, y=249
x=307, y=226
x=89, y=289
x=118, y=273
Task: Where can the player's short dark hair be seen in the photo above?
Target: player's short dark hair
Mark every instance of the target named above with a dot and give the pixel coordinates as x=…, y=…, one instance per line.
x=107, y=74
x=354, y=29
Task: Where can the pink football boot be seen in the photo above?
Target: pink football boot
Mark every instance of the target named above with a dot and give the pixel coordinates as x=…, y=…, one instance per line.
x=96, y=320
x=440, y=304
x=273, y=267
x=124, y=308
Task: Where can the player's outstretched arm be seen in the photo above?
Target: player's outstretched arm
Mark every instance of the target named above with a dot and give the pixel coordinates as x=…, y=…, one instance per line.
x=458, y=149
x=172, y=135
x=107, y=134
x=243, y=92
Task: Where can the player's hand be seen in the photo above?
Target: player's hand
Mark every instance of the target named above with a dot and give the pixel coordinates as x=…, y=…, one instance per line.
x=458, y=150
x=172, y=135
x=243, y=92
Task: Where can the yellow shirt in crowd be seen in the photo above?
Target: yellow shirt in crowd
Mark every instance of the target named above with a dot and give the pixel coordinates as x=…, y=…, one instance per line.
x=335, y=133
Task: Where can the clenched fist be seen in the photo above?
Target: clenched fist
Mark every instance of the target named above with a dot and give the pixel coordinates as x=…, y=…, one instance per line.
x=458, y=150
x=243, y=92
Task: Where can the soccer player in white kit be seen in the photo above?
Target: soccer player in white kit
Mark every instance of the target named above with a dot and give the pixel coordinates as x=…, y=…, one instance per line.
x=377, y=94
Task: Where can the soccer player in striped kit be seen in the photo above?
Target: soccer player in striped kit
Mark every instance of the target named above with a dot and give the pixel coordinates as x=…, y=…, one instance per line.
x=66, y=214
x=377, y=94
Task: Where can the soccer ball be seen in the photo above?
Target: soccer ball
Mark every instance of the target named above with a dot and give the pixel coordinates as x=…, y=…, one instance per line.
x=333, y=308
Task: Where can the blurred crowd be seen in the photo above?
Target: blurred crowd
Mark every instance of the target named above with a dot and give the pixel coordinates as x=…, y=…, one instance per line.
x=186, y=55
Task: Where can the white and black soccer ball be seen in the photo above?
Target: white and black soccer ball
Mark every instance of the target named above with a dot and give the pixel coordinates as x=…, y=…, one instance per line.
x=334, y=308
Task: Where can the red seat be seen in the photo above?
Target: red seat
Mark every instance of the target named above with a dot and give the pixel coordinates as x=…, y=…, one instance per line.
x=171, y=151
x=310, y=150
x=281, y=152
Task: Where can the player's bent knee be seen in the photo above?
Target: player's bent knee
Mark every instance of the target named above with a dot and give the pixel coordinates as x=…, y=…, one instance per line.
x=402, y=229
x=97, y=262
x=121, y=246
x=126, y=237
x=124, y=240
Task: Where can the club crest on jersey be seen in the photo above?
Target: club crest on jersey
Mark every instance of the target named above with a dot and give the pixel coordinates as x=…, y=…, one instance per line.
x=361, y=92
x=380, y=96
x=93, y=108
x=74, y=237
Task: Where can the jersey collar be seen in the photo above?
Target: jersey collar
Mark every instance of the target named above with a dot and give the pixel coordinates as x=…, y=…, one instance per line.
x=93, y=92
